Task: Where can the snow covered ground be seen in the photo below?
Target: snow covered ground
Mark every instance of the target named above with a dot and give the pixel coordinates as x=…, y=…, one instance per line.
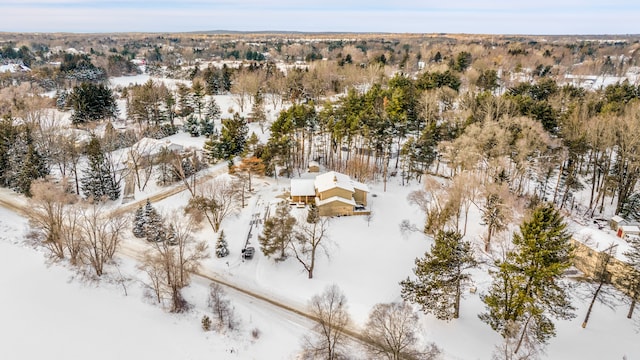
x=48, y=305
x=49, y=312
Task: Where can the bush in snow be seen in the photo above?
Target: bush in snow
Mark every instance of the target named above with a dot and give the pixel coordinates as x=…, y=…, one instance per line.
x=206, y=323
x=221, y=246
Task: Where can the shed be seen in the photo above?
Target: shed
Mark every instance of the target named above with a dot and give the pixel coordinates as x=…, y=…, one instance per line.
x=314, y=167
x=625, y=231
x=616, y=222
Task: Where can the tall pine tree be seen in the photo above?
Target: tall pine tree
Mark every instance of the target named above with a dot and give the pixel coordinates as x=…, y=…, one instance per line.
x=277, y=231
x=441, y=276
x=98, y=181
x=526, y=291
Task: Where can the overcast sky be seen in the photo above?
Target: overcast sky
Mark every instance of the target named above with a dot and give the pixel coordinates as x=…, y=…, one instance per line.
x=426, y=16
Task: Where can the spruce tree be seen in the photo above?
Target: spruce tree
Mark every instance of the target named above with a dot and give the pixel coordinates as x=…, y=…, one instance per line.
x=206, y=127
x=153, y=224
x=221, y=245
x=233, y=136
x=26, y=164
x=441, y=276
x=138, y=223
x=97, y=181
x=526, y=291
x=277, y=231
x=191, y=126
x=213, y=111
x=171, y=237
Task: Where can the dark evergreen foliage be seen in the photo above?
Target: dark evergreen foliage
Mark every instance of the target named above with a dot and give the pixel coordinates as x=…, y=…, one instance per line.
x=441, y=276
x=91, y=102
x=222, y=249
x=527, y=288
x=98, y=181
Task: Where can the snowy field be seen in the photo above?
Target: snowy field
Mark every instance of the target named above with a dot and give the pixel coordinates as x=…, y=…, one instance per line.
x=367, y=260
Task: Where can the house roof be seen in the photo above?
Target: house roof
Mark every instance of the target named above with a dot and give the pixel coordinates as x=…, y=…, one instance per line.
x=149, y=146
x=302, y=187
x=630, y=228
x=334, y=199
x=333, y=179
x=618, y=218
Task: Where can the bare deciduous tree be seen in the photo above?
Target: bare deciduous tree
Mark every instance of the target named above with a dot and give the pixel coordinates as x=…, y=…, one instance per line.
x=140, y=163
x=48, y=204
x=101, y=234
x=216, y=200
x=330, y=309
x=309, y=238
x=169, y=265
x=391, y=333
x=221, y=307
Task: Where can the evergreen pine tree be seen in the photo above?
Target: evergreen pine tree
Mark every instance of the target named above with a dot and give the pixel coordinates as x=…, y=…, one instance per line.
x=25, y=164
x=526, y=292
x=192, y=127
x=277, y=231
x=97, y=181
x=221, y=245
x=441, y=276
x=214, y=148
x=631, y=207
x=171, y=237
x=153, y=224
x=233, y=136
x=206, y=127
x=213, y=111
x=138, y=223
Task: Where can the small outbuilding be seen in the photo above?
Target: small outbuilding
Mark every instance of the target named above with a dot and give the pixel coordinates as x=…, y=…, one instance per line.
x=625, y=231
x=616, y=222
x=314, y=167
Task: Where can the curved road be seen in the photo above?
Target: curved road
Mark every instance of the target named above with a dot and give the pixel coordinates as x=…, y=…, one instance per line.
x=10, y=201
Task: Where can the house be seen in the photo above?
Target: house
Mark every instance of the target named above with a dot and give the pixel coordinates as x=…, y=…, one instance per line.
x=333, y=193
x=152, y=148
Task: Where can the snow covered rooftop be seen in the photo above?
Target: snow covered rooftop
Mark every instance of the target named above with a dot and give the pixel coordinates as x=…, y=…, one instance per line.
x=600, y=240
x=302, y=187
x=630, y=228
x=334, y=179
x=618, y=219
x=13, y=68
x=148, y=146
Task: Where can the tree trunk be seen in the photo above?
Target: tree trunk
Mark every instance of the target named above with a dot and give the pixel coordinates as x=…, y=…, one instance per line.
x=488, y=242
x=593, y=300
x=522, y=334
x=456, y=305
x=631, y=307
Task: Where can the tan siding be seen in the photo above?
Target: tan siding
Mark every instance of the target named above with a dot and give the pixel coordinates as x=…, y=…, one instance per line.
x=586, y=260
x=346, y=194
x=335, y=208
x=360, y=197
